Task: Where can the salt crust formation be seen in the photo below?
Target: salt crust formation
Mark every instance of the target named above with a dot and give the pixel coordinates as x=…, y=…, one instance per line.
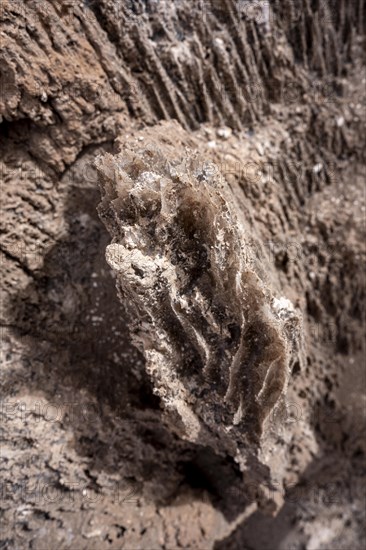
x=219, y=345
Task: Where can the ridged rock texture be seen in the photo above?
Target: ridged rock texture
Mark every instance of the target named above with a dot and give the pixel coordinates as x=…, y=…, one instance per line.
x=251, y=113
x=219, y=345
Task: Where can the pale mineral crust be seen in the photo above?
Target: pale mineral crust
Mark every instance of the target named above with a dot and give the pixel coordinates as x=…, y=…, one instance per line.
x=219, y=343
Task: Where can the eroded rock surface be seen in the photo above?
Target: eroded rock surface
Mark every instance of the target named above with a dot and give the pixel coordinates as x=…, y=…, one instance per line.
x=272, y=92
x=219, y=343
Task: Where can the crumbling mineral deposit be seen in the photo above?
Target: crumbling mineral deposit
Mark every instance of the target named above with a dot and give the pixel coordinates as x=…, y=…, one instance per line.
x=219, y=345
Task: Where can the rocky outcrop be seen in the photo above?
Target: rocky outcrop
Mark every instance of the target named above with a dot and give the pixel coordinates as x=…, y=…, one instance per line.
x=270, y=93
x=219, y=343
x=219, y=346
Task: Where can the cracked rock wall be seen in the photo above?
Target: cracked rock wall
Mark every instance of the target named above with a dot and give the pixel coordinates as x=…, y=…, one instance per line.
x=274, y=99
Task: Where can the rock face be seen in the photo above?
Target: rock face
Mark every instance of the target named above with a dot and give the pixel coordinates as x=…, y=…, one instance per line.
x=219, y=344
x=271, y=93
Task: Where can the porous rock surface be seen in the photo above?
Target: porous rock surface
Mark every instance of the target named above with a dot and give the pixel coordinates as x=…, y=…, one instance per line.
x=219, y=345
x=273, y=98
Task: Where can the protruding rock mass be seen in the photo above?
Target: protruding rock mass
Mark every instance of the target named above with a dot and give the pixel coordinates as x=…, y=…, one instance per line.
x=219, y=343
